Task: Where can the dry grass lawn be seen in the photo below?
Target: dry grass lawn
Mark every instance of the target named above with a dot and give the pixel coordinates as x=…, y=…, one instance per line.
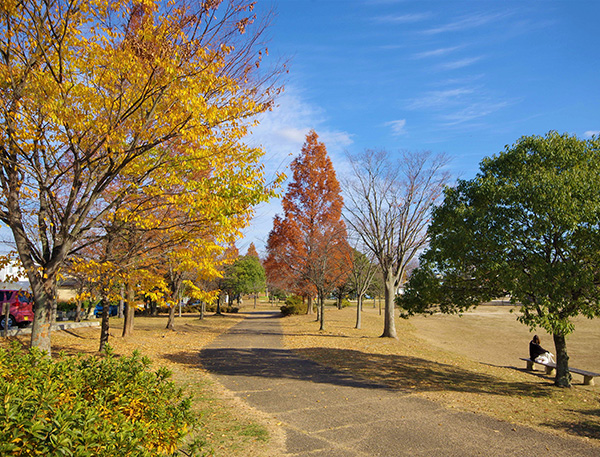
x=470, y=363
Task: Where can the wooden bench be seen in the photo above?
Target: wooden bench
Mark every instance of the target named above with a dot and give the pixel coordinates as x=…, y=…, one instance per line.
x=588, y=376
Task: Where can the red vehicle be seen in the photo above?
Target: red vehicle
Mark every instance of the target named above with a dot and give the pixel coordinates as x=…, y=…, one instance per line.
x=21, y=308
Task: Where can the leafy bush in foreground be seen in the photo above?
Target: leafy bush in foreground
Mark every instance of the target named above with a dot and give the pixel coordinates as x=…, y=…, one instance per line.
x=88, y=406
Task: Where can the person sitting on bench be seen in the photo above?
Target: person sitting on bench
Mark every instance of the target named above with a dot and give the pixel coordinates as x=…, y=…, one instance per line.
x=537, y=353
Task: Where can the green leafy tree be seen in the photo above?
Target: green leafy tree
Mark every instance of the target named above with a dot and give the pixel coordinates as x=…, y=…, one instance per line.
x=245, y=276
x=527, y=225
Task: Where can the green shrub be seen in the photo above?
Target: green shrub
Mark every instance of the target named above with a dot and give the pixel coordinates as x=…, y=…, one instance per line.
x=293, y=305
x=345, y=303
x=88, y=406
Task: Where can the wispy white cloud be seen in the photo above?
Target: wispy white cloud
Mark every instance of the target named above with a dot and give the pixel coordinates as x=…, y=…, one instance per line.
x=455, y=65
x=591, y=133
x=468, y=22
x=436, y=52
x=398, y=127
x=462, y=81
x=439, y=98
x=403, y=18
x=472, y=111
x=458, y=105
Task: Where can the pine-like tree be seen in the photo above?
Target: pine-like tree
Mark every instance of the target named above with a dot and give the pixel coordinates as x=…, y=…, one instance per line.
x=307, y=249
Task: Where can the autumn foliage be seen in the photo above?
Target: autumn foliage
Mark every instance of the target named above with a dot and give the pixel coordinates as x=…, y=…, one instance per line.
x=118, y=111
x=307, y=249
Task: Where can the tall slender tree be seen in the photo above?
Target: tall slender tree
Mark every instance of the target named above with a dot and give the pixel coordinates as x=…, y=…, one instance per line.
x=389, y=207
x=361, y=277
x=308, y=245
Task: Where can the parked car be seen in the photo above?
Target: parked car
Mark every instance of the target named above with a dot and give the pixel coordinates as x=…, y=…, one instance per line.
x=113, y=310
x=21, y=308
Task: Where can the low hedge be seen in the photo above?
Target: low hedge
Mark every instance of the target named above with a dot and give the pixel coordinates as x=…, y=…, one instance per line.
x=89, y=406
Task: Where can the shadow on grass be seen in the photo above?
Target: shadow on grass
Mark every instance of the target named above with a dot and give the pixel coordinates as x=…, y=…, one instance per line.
x=353, y=368
x=589, y=428
x=417, y=374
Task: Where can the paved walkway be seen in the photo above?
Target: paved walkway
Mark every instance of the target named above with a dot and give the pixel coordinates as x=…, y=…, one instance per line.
x=326, y=413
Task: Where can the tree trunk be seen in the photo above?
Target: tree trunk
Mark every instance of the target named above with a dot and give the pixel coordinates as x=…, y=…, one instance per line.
x=202, y=310
x=171, y=320
x=129, y=311
x=255, y=300
x=121, y=301
x=104, y=327
x=339, y=302
x=358, y=312
x=41, y=329
x=218, y=312
x=54, y=300
x=78, y=309
x=389, y=323
x=563, y=376
x=322, y=313
x=309, y=307
x=318, y=311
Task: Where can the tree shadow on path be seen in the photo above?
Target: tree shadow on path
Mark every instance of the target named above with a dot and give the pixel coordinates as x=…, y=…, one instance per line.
x=346, y=367
x=417, y=374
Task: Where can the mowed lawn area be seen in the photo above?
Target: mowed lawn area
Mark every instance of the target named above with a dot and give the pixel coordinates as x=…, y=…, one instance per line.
x=468, y=362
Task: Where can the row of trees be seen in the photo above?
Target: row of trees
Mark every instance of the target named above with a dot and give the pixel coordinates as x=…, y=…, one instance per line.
x=527, y=226
x=121, y=140
x=387, y=208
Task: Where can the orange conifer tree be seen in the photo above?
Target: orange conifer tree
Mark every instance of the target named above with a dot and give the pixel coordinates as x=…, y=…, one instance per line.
x=307, y=249
x=252, y=251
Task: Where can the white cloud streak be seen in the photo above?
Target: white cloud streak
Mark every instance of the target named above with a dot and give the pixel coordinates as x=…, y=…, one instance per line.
x=398, y=127
x=436, y=52
x=467, y=22
x=439, y=99
x=455, y=65
x=403, y=18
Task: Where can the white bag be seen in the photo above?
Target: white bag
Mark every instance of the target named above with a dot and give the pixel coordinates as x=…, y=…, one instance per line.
x=547, y=357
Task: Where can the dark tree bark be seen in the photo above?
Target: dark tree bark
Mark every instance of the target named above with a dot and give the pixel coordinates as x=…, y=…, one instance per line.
x=104, y=326
x=563, y=376
x=129, y=311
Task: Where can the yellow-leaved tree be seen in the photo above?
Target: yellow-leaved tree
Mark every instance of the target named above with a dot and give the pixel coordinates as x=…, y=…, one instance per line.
x=99, y=98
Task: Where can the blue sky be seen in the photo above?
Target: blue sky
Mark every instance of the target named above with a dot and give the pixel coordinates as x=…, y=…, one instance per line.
x=465, y=78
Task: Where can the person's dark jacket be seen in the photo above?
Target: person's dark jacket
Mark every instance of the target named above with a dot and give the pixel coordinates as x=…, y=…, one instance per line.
x=535, y=350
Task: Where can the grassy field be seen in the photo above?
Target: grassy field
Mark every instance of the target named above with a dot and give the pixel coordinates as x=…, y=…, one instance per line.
x=470, y=363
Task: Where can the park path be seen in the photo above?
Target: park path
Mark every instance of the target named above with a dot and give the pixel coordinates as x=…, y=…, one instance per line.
x=326, y=413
